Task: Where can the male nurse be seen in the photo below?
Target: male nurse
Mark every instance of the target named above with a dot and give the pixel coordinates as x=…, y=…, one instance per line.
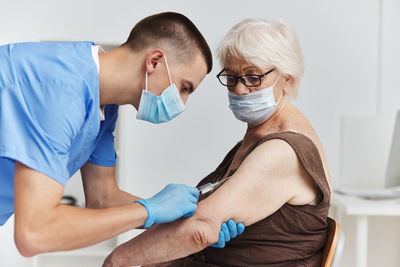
x=58, y=108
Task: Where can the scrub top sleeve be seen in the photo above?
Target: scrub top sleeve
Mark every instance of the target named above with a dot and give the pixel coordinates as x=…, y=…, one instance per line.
x=37, y=127
x=104, y=154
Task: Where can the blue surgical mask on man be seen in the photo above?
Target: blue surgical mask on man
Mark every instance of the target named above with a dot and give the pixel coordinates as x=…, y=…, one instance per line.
x=255, y=107
x=162, y=108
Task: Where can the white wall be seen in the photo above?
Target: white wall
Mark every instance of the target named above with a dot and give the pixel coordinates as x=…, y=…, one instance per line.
x=349, y=91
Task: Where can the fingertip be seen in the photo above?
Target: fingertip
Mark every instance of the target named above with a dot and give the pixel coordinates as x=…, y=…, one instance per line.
x=225, y=230
x=232, y=228
x=194, y=199
x=240, y=228
x=193, y=208
x=188, y=214
x=221, y=239
x=195, y=192
x=231, y=223
x=190, y=210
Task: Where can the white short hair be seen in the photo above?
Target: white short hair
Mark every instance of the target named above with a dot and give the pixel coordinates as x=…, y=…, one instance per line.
x=265, y=44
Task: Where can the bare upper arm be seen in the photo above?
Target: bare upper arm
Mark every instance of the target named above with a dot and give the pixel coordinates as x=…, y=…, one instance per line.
x=98, y=183
x=266, y=180
x=270, y=176
x=36, y=195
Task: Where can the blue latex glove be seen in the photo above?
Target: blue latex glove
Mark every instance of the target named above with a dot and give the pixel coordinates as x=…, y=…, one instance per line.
x=171, y=203
x=228, y=231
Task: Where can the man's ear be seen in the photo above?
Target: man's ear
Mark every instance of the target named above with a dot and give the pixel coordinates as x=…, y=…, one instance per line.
x=154, y=57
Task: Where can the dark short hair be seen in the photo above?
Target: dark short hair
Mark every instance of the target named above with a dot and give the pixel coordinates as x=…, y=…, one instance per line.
x=180, y=34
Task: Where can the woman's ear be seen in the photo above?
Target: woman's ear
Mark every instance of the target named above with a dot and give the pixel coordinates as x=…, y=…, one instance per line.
x=153, y=58
x=289, y=83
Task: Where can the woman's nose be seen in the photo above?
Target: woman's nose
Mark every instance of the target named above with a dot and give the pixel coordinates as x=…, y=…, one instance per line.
x=240, y=89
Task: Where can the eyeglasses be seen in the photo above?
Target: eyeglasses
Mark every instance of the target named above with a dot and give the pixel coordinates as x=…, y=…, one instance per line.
x=249, y=80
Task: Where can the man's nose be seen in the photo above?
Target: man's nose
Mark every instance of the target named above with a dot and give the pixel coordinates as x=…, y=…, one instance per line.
x=184, y=98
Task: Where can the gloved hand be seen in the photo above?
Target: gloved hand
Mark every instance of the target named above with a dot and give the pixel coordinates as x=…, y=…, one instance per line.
x=228, y=231
x=171, y=203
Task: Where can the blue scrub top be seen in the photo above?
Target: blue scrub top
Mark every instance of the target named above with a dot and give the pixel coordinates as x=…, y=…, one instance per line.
x=50, y=113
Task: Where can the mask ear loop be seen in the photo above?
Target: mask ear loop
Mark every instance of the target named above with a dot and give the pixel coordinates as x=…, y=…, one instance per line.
x=283, y=90
x=169, y=75
x=279, y=99
x=178, y=97
x=166, y=65
x=146, y=81
x=276, y=81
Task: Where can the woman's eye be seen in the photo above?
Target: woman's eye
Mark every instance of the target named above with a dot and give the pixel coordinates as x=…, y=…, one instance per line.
x=252, y=80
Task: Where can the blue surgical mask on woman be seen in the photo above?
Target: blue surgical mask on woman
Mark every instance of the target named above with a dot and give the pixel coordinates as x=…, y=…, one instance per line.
x=162, y=108
x=255, y=107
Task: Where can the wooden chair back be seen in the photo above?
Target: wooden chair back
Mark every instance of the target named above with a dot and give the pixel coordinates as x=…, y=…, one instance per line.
x=332, y=239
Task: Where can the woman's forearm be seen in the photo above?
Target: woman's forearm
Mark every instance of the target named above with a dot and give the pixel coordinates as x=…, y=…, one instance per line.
x=164, y=243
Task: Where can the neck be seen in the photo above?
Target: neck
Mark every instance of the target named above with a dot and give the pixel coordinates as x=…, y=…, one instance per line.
x=273, y=124
x=121, y=77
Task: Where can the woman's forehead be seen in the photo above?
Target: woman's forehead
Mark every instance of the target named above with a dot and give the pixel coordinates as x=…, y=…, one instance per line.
x=240, y=65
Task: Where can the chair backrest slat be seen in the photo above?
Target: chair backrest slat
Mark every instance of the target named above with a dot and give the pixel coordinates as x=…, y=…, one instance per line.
x=333, y=233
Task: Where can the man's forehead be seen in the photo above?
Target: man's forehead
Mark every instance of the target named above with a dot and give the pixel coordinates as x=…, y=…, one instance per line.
x=195, y=71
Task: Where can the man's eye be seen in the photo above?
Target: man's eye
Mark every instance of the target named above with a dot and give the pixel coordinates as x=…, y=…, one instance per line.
x=184, y=89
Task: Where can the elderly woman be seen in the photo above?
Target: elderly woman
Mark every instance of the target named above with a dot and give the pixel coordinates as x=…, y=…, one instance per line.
x=278, y=182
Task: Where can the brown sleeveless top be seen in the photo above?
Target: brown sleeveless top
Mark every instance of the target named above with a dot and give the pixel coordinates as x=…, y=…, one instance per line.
x=292, y=236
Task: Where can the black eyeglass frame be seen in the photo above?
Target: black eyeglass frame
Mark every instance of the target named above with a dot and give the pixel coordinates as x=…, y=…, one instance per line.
x=243, y=81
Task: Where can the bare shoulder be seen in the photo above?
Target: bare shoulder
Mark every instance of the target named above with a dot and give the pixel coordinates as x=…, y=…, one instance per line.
x=282, y=163
x=274, y=161
x=300, y=124
x=275, y=154
x=264, y=181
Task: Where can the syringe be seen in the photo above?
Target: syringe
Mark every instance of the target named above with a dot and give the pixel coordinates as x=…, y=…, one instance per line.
x=208, y=187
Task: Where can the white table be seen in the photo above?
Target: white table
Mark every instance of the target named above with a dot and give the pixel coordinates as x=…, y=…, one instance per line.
x=361, y=209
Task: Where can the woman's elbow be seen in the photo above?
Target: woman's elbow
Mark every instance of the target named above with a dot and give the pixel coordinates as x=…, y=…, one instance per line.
x=203, y=233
